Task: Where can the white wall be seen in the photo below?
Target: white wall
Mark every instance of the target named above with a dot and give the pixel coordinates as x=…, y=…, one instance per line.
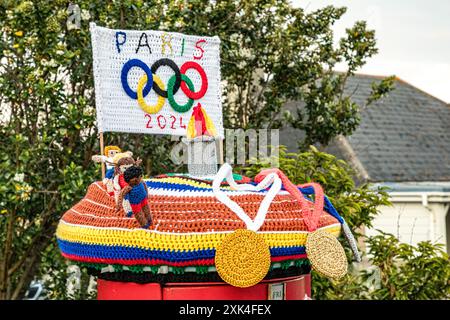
x=413, y=221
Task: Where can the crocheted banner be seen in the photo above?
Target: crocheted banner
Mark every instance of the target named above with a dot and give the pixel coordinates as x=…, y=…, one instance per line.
x=150, y=81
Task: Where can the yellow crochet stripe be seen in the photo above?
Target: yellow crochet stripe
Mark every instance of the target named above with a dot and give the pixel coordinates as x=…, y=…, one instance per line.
x=181, y=181
x=150, y=240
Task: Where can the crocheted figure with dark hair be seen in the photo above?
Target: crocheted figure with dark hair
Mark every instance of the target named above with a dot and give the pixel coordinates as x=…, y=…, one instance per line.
x=134, y=197
x=122, y=162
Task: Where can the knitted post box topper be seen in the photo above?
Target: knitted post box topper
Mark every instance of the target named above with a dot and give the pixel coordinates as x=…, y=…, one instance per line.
x=190, y=227
x=134, y=197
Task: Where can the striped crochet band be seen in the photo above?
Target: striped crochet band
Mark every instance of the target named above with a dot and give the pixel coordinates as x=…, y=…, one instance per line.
x=108, y=258
x=191, y=184
x=192, y=277
x=130, y=255
x=133, y=248
x=199, y=269
x=154, y=240
x=191, y=220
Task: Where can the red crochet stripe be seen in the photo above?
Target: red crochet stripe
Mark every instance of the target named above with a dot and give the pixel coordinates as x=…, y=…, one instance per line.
x=198, y=262
x=291, y=257
x=128, y=262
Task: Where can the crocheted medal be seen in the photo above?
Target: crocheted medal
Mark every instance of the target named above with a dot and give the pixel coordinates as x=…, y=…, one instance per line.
x=243, y=257
x=326, y=254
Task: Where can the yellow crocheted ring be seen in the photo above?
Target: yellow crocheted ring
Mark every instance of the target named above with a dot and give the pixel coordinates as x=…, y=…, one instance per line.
x=326, y=254
x=243, y=258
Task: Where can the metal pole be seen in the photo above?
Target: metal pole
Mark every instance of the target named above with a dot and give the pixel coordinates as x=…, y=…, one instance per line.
x=221, y=160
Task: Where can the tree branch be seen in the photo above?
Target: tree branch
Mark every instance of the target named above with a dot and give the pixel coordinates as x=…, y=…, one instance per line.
x=23, y=278
x=4, y=281
x=34, y=242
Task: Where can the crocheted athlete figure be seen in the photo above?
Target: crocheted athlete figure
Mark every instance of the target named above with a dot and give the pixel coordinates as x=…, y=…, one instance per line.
x=122, y=161
x=134, y=197
x=108, y=159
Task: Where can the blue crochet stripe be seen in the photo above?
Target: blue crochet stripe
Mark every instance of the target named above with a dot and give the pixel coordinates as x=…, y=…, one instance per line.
x=176, y=186
x=286, y=251
x=131, y=253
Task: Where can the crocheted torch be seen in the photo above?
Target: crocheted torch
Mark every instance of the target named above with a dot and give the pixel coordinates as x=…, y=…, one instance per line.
x=201, y=136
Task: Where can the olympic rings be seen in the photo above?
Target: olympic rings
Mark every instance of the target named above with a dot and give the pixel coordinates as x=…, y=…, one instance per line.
x=124, y=77
x=140, y=98
x=170, y=88
x=174, y=67
x=150, y=80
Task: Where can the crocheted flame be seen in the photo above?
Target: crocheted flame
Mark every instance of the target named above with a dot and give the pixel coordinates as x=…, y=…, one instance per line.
x=200, y=124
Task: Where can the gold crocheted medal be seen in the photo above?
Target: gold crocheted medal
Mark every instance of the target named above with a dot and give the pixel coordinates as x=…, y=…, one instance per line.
x=243, y=258
x=326, y=254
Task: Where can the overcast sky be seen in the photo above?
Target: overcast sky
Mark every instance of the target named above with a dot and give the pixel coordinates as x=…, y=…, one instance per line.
x=413, y=38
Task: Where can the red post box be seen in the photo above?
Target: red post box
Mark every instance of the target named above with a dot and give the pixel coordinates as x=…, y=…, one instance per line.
x=293, y=288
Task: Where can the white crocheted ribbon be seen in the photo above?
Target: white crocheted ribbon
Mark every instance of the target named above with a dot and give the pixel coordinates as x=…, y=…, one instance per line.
x=272, y=180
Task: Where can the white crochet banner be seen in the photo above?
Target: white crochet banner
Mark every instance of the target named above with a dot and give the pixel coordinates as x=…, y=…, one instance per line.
x=151, y=81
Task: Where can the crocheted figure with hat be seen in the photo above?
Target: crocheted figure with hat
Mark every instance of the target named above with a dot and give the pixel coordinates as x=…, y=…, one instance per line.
x=108, y=158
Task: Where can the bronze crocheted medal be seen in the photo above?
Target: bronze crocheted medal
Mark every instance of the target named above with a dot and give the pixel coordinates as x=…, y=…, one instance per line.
x=326, y=254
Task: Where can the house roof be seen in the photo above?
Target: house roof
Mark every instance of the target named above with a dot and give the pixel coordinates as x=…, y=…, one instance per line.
x=402, y=137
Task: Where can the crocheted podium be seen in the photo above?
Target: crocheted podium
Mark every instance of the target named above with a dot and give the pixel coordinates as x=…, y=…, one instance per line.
x=198, y=241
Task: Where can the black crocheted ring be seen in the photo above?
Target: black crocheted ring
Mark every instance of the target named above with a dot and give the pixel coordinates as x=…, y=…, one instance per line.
x=132, y=172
